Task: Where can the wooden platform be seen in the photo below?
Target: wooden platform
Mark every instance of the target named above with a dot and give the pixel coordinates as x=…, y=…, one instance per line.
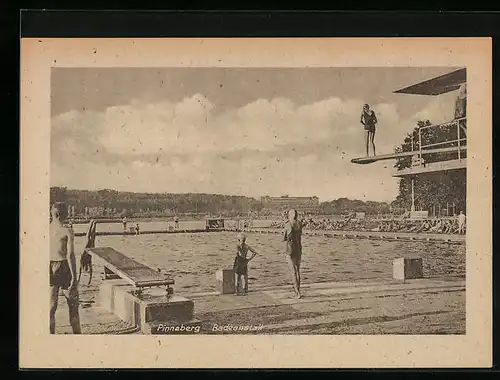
x=134, y=272
x=432, y=167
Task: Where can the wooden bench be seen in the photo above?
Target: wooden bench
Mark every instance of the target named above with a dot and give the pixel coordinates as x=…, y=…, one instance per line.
x=118, y=265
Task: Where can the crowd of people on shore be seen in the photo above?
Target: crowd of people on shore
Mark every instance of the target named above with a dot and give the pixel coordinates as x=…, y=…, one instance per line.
x=437, y=225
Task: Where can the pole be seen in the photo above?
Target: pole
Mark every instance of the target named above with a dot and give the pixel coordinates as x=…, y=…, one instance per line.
x=412, y=195
x=447, y=209
x=420, y=143
x=458, y=141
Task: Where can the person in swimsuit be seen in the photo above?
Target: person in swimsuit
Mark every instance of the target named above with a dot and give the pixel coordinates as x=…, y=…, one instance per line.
x=368, y=119
x=461, y=109
x=461, y=223
x=62, y=267
x=292, y=236
x=240, y=266
x=124, y=222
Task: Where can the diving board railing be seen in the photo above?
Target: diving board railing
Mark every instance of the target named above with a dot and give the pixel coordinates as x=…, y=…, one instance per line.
x=459, y=123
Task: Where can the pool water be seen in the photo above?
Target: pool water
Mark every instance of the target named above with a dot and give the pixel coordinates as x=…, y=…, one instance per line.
x=193, y=258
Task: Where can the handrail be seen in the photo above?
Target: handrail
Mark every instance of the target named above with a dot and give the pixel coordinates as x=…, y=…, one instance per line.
x=443, y=143
x=458, y=140
x=445, y=123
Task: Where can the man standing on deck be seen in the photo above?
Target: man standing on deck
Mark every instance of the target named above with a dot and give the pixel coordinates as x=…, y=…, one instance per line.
x=461, y=223
x=292, y=236
x=62, y=267
x=368, y=119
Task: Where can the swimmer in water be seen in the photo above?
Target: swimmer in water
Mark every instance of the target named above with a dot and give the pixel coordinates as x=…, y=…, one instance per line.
x=240, y=266
x=368, y=119
x=292, y=236
x=62, y=267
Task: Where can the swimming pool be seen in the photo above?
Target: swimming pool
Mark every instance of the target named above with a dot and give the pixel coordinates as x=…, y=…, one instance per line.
x=193, y=258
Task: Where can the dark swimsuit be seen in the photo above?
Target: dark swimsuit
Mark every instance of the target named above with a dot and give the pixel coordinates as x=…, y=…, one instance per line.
x=240, y=265
x=293, y=240
x=369, y=121
x=59, y=272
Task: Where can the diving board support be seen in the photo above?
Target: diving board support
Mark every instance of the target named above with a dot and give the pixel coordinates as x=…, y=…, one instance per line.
x=131, y=290
x=146, y=310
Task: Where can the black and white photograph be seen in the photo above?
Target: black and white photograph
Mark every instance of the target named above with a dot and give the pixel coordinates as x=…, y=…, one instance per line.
x=316, y=200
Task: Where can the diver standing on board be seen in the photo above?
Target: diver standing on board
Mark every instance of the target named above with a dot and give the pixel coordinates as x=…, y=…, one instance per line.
x=369, y=119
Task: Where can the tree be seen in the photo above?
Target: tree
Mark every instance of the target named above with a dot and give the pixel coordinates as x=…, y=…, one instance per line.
x=58, y=194
x=433, y=188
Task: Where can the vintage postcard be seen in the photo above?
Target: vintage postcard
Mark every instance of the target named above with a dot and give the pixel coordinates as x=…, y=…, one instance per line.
x=256, y=203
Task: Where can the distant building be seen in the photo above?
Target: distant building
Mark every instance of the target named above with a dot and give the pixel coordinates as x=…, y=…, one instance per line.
x=304, y=204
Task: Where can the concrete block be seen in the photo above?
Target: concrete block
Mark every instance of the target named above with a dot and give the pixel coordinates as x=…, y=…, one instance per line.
x=125, y=306
x=153, y=305
x=407, y=268
x=176, y=308
x=225, y=281
x=107, y=290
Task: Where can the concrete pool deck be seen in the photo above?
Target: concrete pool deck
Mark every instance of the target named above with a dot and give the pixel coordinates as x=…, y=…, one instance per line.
x=418, y=306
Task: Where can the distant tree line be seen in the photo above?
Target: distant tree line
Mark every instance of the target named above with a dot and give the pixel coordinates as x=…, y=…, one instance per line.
x=112, y=203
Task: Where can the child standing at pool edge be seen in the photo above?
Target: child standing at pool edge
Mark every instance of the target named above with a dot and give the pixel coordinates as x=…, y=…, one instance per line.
x=240, y=266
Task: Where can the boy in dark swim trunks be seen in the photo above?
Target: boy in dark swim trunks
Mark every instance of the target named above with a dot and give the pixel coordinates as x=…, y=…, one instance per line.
x=368, y=119
x=62, y=267
x=240, y=266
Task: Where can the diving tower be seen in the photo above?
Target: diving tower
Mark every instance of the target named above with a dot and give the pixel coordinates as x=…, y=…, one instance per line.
x=436, y=86
x=454, y=148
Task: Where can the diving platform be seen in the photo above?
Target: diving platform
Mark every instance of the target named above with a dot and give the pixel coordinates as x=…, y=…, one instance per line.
x=130, y=270
x=369, y=160
x=432, y=167
x=131, y=291
x=438, y=85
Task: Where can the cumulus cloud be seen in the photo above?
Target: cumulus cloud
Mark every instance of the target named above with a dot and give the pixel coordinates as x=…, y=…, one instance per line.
x=269, y=146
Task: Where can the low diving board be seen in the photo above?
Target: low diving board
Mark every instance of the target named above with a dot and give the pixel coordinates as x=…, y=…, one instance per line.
x=432, y=167
x=136, y=273
x=369, y=160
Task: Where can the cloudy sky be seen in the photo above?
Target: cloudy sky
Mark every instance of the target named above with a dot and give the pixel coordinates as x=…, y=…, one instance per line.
x=247, y=132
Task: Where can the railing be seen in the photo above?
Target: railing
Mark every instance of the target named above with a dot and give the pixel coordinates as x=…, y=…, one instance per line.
x=459, y=123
